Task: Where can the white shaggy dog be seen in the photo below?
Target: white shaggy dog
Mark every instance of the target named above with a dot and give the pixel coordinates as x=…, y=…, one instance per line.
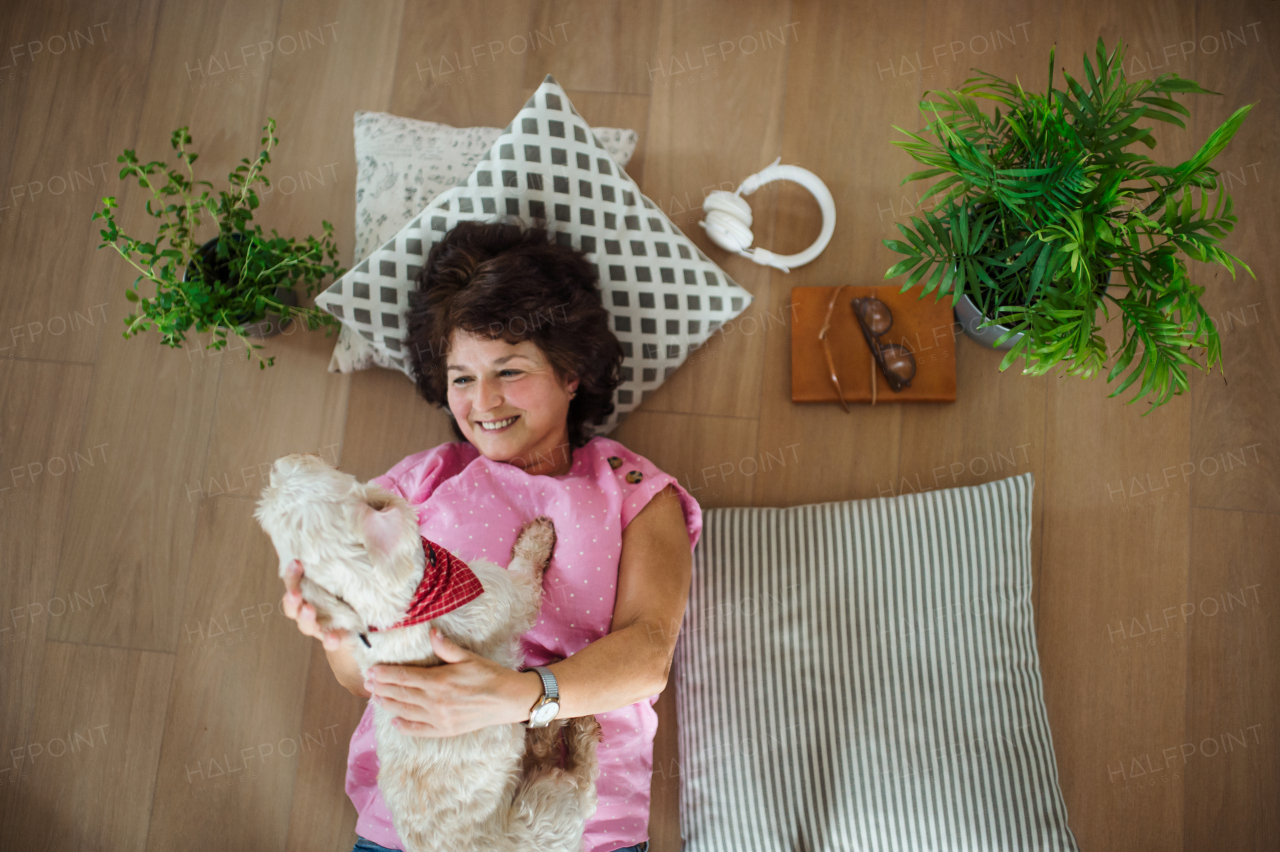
x=364, y=559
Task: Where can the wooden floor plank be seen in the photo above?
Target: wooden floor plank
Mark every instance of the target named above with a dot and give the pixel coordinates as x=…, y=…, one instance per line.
x=1228, y=753
x=565, y=41
x=1109, y=559
x=21, y=21
x=1237, y=465
x=89, y=759
x=42, y=407
x=55, y=306
x=322, y=816
x=152, y=406
x=443, y=72
x=1114, y=688
x=140, y=548
x=1233, y=49
x=715, y=117
x=235, y=733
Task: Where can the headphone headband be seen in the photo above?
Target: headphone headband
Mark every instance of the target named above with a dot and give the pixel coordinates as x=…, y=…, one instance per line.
x=728, y=216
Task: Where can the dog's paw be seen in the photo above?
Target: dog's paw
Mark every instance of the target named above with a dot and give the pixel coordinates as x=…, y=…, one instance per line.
x=584, y=735
x=536, y=543
x=587, y=728
x=542, y=745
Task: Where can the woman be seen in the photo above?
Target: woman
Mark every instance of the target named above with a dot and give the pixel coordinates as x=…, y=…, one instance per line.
x=528, y=342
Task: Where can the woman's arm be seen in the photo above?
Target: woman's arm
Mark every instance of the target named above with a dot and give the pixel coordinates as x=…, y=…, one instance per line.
x=346, y=671
x=633, y=661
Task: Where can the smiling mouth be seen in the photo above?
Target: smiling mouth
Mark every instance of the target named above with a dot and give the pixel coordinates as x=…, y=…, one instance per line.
x=497, y=425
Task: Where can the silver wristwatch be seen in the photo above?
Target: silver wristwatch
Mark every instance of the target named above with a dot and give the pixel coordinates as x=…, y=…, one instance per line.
x=548, y=705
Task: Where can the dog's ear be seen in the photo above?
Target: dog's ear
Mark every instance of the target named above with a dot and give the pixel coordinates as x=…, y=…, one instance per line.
x=382, y=525
x=388, y=527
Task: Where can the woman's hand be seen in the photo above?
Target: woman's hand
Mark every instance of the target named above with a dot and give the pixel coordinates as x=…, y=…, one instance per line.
x=304, y=613
x=469, y=692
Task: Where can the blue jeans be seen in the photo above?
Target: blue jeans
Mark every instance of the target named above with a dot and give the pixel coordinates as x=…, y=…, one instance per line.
x=363, y=845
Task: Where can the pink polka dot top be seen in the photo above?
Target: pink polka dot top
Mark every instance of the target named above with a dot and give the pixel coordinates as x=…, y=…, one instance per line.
x=475, y=506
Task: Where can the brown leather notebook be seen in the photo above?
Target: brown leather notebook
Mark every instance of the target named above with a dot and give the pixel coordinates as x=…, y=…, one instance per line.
x=924, y=326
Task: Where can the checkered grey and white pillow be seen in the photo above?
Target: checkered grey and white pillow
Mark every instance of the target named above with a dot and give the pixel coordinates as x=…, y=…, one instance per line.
x=401, y=164
x=664, y=295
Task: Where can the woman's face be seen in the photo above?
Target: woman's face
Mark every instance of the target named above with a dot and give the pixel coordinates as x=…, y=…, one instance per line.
x=493, y=380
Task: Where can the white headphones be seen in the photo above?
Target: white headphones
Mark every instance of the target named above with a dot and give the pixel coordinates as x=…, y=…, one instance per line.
x=728, y=216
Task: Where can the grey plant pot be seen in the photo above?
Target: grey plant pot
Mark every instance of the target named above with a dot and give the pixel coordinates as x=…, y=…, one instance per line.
x=970, y=318
x=270, y=325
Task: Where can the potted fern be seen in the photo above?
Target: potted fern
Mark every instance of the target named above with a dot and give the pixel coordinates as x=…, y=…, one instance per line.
x=240, y=281
x=1044, y=219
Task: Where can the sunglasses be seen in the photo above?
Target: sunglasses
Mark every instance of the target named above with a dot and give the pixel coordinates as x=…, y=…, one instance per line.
x=895, y=361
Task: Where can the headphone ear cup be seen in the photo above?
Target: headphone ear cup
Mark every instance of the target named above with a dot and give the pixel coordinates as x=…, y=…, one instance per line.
x=727, y=231
x=728, y=220
x=728, y=202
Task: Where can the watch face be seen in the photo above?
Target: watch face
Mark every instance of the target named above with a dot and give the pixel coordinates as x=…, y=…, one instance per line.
x=546, y=712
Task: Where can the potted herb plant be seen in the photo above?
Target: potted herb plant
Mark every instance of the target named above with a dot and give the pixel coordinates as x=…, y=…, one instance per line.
x=240, y=281
x=1043, y=219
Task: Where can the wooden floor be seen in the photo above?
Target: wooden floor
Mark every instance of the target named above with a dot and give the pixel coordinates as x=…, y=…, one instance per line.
x=150, y=697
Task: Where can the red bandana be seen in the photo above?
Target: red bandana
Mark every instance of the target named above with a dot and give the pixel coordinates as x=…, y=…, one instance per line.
x=447, y=583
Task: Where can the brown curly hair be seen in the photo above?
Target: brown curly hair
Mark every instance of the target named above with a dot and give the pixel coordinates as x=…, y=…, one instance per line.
x=501, y=280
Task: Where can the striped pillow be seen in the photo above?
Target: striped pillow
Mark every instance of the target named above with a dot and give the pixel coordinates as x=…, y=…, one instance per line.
x=863, y=675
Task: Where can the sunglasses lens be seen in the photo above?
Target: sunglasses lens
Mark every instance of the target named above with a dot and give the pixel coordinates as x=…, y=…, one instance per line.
x=875, y=314
x=898, y=362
